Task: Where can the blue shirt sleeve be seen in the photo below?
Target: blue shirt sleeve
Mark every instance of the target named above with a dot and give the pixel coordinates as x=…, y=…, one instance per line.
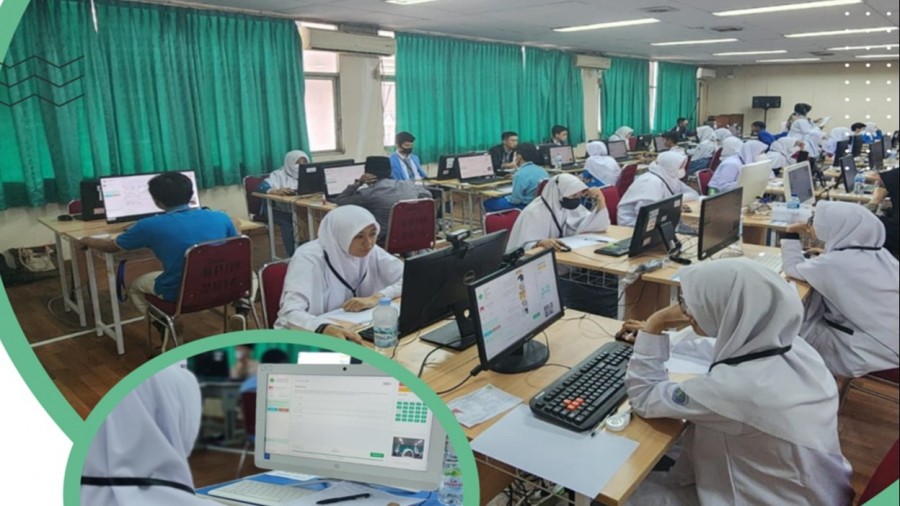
x=418, y=164
x=397, y=170
x=766, y=138
x=135, y=237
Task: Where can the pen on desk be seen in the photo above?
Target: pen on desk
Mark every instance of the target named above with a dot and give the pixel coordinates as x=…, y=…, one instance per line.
x=599, y=426
x=345, y=498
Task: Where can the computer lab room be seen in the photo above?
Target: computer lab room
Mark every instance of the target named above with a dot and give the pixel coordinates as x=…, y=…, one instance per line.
x=645, y=251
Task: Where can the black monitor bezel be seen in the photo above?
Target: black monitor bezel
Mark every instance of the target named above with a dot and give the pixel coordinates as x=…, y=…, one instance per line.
x=701, y=253
x=637, y=248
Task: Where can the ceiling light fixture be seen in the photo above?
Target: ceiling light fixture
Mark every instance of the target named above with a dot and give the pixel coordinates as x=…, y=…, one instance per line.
x=612, y=24
x=846, y=31
x=693, y=42
x=869, y=56
x=747, y=53
x=407, y=2
x=787, y=60
x=866, y=48
x=787, y=7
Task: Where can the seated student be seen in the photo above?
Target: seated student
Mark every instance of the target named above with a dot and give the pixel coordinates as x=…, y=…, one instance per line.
x=857, y=128
x=872, y=133
x=762, y=423
x=722, y=134
x=559, y=135
x=851, y=315
x=168, y=235
x=837, y=134
x=503, y=155
x=343, y=268
x=884, y=200
x=381, y=192
x=284, y=181
x=726, y=175
x=245, y=365
x=661, y=181
x=140, y=454
x=558, y=212
x=702, y=154
x=623, y=133
x=271, y=356
x=670, y=141
x=405, y=165
x=784, y=152
x=525, y=182
x=758, y=129
x=600, y=169
x=680, y=129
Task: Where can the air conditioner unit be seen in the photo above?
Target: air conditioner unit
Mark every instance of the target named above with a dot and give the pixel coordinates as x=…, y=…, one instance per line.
x=705, y=73
x=341, y=42
x=592, y=62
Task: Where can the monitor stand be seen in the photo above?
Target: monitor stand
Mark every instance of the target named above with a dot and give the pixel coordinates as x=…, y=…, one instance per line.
x=671, y=242
x=448, y=336
x=528, y=357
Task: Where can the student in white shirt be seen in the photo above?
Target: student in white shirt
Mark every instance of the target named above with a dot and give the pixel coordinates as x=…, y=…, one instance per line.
x=600, y=166
x=623, y=133
x=147, y=437
x=702, y=154
x=557, y=212
x=762, y=423
x=662, y=180
x=802, y=128
x=836, y=135
x=851, y=315
x=343, y=268
x=735, y=154
x=783, y=152
x=285, y=181
x=722, y=134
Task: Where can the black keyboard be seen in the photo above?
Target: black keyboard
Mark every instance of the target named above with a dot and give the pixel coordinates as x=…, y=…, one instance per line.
x=480, y=180
x=586, y=394
x=615, y=249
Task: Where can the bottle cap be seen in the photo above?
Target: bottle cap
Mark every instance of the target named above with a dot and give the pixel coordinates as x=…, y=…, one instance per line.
x=384, y=301
x=617, y=423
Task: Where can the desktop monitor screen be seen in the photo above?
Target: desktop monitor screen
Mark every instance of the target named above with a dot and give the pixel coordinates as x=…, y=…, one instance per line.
x=565, y=153
x=754, y=179
x=475, y=166
x=512, y=306
x=617, y=149
x=856, y=144
x=798, y=181
x=323, y=358
x=91, y=200
x=841, y=151
x=876, y=155
x=337, y=179
x=644, y=142
x=349, y=422
x=720, y=222
x=848, y=172
x=650, y=218
x=127, y=198
x=659, y=143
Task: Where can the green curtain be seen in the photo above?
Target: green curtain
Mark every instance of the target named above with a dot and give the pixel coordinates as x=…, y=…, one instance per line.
x=676, y=95
x=155, y=88
x=554, y=86
x=625, y=96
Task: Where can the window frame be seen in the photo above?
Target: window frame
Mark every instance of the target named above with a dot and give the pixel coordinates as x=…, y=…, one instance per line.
x=335, y=79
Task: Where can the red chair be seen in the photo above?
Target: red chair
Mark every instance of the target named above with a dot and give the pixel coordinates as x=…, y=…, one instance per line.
x=271, y=284
x=611, y=195
x=703, y=178
x=540, y=188
x=254, y=204
x=715, y=160
x=885, y=475
x=500, y=220
x=216, y=273
x=632, y=143
x=248, y=410
x=73, y=208
x=411, y=227
x=626, y=178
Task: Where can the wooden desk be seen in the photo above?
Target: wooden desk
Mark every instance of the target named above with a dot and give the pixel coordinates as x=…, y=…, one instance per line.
x=570, y=339
x=758, y=228
x=304, y=211
x=472, y=198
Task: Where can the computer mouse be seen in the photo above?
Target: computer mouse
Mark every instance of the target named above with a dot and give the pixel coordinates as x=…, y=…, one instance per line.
x=64, y=217
x=565, y=249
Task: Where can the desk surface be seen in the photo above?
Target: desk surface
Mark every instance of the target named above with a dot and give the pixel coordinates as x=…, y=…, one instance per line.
x=101, y=227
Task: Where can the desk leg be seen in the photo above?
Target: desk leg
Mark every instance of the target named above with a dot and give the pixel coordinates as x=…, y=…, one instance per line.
x=620, y=296
x=583, y=500
x=76, y=280
x=311, y=223
x=63, y=278
x=271, y=217
x=114, y=303
x=92, y=289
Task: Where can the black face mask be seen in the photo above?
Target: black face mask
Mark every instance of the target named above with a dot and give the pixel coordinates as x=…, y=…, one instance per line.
x=570, y=203
x=406, y=151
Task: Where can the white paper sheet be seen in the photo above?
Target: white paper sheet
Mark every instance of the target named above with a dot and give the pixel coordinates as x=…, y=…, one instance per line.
x=344, y=489
x=360, y=318
x=574, y=460
x=582, y=240
x=482, y=405
x=292, y=476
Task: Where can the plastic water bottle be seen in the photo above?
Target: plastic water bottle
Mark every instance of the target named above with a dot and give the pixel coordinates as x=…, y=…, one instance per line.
x=557, y=162
x=859, y=183
x=794, y=202
x=451, y=491
x=384, y=321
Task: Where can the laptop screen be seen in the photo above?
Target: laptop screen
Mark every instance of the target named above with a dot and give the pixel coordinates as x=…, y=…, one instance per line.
x=618, y=149
x=476, y=166
x=127, y=198
x=337, y=179
x=565, y=153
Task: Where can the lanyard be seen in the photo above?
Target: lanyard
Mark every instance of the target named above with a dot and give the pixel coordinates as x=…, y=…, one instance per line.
x=555, y=221
x=752, y=356
x=409, y=167
x=341, y=278
x=863, y=248
x=134, y=482
x=664, y=182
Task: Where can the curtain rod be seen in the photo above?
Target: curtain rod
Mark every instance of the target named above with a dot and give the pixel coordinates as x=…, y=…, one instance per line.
x=220, y=8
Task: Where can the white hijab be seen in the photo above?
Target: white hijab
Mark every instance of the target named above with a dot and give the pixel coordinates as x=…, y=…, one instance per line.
x=622, y=133
x=706, y=133
x=871, y=304
x=722, y=134
x=751, y=150
x=837, y=134
x=871, y=127
x=669, y=165
x=150, y=434
x=707, y=146
x=813, y=142
x=731, y=146
x=782, y=151
x=600, y=165
x=287, y=175
x=750, y=309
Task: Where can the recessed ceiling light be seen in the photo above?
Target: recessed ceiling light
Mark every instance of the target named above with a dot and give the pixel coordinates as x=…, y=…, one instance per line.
x=847, y=65
x=693, y=42
x=888, y=116
x=868, y=65
x=787, y=7
x=847, y=82
x=612, y=24
x=866, y=48
x=846, y=116
x=868, y=13
x=869, y=56
x=868, y=82
x=846, y=99
x=845, y=31
x=407, y=2
x=846, y=13
x=868, y=99
x=746, y=53
x=787, y=60
x=868, y=116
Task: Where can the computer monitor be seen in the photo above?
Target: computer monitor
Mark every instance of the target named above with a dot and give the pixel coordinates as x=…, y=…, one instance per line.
x=475, y=166
x=644, y=142
x=211, y=365
x=659, y=143
x=720, y=222
x=512, y=306
x=655, y=225
x=856, y=145
x=798, y=181
x=617, y=149
x=754, y=179
x=544, y=153
x=434, y=286
x=323, y=358
x=91, y=200
x=840, y=151
x=446, y=168
x=311, y=177
x=876, y=155
x=346, y=422
x=565, y=153
x=127, y=198
x=338, y=178
x=848, y=172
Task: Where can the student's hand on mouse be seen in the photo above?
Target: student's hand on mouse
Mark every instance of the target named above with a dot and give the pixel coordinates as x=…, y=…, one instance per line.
x=342, y=333
x=552, y=244
x=358, y=304
x=633, y=325
x=666, y=318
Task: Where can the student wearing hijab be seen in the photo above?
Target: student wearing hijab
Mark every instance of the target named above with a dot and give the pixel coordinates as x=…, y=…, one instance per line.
x=836, y=135
x=702, y=154
x=140, y=454
x=405, y=164
x=343, y=268
x=784, y=151
x=722, y=134
x=284, y=181
x=762, y=423
x=802, y=128
x=558, y=212
x=871, y=133
x=741, y=153
x=851, y=315
x=600, y=169
x=662, y=180
x=623, y=133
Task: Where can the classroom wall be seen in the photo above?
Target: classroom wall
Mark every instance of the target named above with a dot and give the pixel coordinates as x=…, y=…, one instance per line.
x=822, y=85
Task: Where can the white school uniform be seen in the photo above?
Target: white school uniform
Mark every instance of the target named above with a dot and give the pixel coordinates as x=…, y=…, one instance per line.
x=622, y=133
x=707, y=146
x=662, y=181
x=600, y=165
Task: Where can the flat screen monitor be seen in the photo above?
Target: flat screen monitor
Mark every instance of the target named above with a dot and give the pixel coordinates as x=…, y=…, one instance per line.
x=876, y=155
x=346, y=422
x=754, y=179
x=91, y=200
x=311, y=177
x=644, y=142
x=617, y=149
x=475, y=166
x=651, y=221
x=511, y=307
x=856, y=144
x=323, y=358
x=840, y=151
x=338, y=178
x=848, y=172
x=447, y=166
x=720, y=222
x=544, y=152
x=434, y=286
x=659, y=143
x=798, y=181
x=127, y=198
x=565, y=153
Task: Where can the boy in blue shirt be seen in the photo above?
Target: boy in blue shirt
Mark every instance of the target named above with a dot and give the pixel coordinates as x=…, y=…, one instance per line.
x=525, y=182
x=404, y=164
